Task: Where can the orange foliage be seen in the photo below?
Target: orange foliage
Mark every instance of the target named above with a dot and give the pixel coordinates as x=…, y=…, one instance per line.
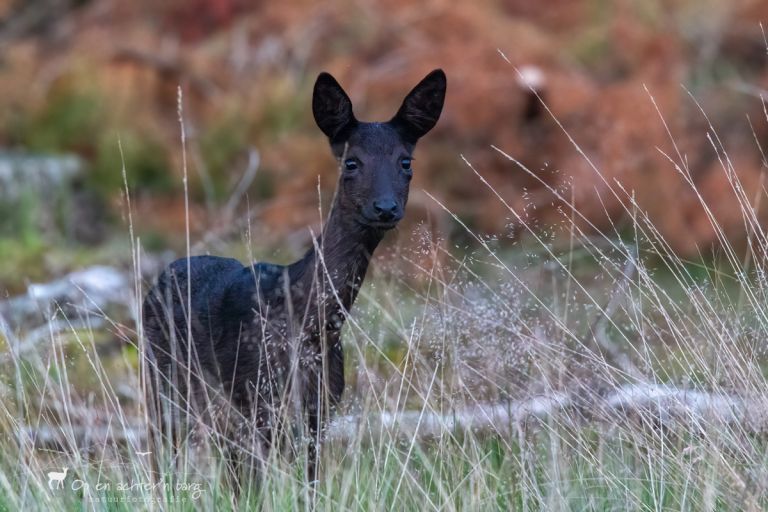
x=608, y=78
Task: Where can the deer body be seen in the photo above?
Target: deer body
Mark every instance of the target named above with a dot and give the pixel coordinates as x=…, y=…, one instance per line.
x=254, y=349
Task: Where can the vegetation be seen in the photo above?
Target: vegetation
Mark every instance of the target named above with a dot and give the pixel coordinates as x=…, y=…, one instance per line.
x=575, y=319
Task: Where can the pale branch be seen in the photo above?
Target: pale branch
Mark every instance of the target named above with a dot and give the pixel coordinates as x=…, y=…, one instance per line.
x=254, y=159
x=657, y=404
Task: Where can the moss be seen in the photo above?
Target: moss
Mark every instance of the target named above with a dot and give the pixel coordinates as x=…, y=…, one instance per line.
x=264, y=185
x=221, y=144
x=67, y=122
x=22, y=261
x=153, y=241
x=146, y=163
x=284, y=111
x=131, y=356
x=18, y=219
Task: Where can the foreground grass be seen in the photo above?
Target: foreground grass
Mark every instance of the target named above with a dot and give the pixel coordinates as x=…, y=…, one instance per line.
x=433, y=340
x=586, y=469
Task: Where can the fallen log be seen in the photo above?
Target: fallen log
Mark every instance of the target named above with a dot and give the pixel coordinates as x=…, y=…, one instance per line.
x=74, y=296
x=42, y=175
x=664, y=405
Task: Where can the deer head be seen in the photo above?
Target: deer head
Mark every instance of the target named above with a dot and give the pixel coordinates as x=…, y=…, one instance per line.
x=376, y=158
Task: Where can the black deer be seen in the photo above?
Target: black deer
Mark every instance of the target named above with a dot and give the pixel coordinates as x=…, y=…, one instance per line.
x=249, y=349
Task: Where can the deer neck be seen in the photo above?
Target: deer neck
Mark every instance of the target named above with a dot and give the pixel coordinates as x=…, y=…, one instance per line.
x=337, y=263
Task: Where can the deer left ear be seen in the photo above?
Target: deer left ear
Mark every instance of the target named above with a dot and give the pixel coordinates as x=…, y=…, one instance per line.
x=332, y=108
x=421, y=108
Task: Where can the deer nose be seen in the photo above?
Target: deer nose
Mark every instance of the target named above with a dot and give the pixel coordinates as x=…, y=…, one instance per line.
x=386, y=209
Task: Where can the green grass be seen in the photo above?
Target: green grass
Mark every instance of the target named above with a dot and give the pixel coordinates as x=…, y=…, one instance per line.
x=550, y=468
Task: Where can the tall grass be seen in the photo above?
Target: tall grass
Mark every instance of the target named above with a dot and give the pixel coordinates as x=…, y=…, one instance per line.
x=593, y=372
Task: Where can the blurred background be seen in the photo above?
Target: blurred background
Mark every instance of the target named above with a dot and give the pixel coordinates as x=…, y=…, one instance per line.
x=90, y=86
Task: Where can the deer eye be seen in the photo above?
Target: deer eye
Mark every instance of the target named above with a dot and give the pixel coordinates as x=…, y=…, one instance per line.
x=405, y=164
x=351, y=164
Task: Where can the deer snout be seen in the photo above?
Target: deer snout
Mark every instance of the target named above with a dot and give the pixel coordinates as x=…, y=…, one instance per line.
x=387, y=210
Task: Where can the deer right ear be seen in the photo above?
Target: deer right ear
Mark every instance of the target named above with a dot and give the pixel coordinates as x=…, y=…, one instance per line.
x=421, y=108
x=332, y=108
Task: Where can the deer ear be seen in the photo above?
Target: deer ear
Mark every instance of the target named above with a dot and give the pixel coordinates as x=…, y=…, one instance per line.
x=332, y=108
x=421, y=108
